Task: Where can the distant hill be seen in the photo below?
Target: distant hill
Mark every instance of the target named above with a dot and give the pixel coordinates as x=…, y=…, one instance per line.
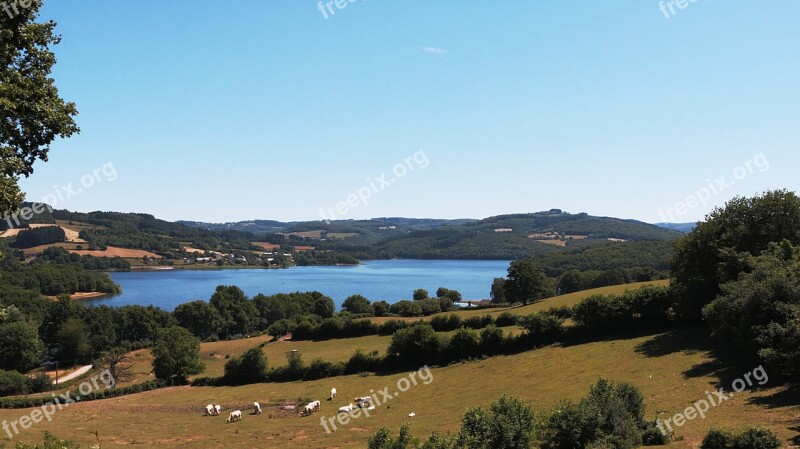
x=681, y=227
x=254, y=226
x=504, y=237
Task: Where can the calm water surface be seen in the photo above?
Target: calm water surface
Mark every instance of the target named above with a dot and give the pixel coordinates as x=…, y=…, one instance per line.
x=389, y=280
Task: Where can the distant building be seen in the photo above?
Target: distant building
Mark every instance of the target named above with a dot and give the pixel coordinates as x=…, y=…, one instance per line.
x=504, y=230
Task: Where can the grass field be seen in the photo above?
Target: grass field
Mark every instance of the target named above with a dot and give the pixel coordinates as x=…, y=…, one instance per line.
x=112, y=251
x=672, y=369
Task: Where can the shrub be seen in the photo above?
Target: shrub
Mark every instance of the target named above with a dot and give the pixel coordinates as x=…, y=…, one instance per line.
x=415, y=345
x=756, y=438
x=543, y=328
x=250, y=368
x=406, y=308
x=506, y=319
x=320, y=369
x=653, y=436
x=463, y=345
x=478, y=322
x=429, y=306
x=361, y=362
x=717, y=439
x=391, y=326
x=446, y=323
x=13, y=383
x=381, y=308
x=492, y=340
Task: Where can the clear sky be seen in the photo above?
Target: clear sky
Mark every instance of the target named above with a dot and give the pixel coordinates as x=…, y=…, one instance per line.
x=226, y=111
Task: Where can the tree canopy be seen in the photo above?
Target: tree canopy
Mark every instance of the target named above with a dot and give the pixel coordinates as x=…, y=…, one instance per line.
x=34, y=114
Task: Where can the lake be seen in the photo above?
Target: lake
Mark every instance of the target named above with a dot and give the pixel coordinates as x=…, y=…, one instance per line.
x=389, y=280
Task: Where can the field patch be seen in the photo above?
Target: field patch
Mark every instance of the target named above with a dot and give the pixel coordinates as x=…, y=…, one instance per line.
x=113, y=251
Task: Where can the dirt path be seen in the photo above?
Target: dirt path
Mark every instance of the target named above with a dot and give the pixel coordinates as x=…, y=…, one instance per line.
x=77, y=373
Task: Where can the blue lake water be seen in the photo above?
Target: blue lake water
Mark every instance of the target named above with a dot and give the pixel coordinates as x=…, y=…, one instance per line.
x=389, y=280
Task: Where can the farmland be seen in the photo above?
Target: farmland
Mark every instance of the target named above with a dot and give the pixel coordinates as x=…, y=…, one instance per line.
x=672, y=370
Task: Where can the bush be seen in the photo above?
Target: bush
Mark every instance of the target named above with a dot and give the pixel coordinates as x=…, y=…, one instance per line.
x=543, y=328
x=406, y=308
x=506, y=319
x=391, y=326
x=13, y=383
x=320, y=369
x=415, y=346
x=493, y=340
x=362, y=362
x=756, y=438
x=653, y=436
x=717, y=439
x=250, y=368
x=463, y=345
x=381, y=308
x=446, y=323
x=478, y=322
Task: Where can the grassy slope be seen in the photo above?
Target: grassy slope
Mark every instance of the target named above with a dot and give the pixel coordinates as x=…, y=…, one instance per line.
x=564, y=300
x=672, y=370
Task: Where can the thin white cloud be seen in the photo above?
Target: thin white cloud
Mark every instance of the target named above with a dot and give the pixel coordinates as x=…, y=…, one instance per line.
x=434, y=50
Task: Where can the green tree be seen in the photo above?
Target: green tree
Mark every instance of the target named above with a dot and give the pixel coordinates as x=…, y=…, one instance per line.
x=381, y=308
x=250, y=368
x=33, y=113
x=324, y=307
x=759, y=313
x=358, y=304
x=199, y=317
x=463, y=344
x=716, y=251
x=498, y=292
x=420, y=294
x=176, y=355
x=526, y=282
x=238, y=315
x=20, y=346
x=73, y=340
x=417, y=344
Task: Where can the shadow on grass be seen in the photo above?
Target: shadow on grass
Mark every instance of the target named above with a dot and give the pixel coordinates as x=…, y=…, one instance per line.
x=788, y=397
x=687, y=340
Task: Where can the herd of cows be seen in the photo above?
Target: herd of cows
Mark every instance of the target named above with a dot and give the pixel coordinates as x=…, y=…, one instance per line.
x=309, y=409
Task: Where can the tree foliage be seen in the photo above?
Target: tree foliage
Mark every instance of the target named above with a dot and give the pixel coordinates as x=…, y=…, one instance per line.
x=34, y=114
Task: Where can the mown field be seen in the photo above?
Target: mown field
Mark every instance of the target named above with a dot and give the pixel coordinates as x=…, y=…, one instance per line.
x=672, y=369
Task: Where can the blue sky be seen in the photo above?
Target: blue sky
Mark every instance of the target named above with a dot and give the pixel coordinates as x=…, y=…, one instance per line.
x=266, y=109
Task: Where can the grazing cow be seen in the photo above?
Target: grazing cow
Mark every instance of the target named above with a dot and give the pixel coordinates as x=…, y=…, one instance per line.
x=364, y=402
x=257, y=408
x=412, y=414
x=235, y=416
x=347, y=408
x=333, y=394
x=210, y=410
x=217, y=409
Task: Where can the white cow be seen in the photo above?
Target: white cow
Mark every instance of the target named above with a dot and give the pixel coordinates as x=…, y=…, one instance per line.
x=217, y=409
x=235, y=416
x=257, y=407
x=210, y=410
x=412, y=414
x=333, y=394
x=347, y=408
x=364, y=402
